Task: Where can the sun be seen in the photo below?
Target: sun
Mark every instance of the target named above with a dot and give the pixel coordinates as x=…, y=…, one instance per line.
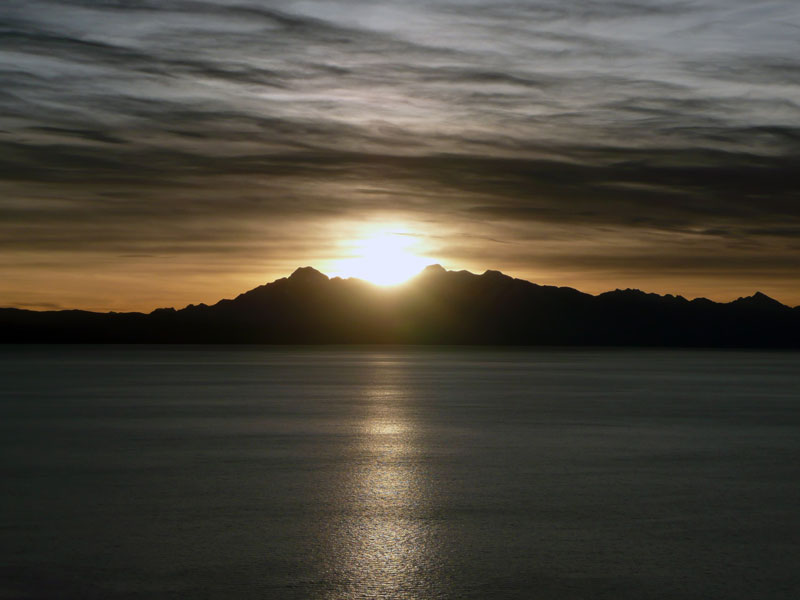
x=388, y=256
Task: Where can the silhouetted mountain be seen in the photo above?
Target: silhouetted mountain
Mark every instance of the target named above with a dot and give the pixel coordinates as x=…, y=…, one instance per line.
x=436, y=307
x=759, y=300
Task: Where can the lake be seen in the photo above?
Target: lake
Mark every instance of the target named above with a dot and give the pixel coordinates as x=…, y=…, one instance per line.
x=398, y=472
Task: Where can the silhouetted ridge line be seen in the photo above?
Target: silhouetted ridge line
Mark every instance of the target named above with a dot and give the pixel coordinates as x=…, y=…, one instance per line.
x=435, y=307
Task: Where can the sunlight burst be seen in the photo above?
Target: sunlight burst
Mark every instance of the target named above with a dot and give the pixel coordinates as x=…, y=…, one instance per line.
x=385, y=257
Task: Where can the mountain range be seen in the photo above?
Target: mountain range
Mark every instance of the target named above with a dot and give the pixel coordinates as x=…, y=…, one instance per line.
x=436, y=307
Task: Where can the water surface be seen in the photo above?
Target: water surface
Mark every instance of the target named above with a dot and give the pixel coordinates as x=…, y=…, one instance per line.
x=251, y=472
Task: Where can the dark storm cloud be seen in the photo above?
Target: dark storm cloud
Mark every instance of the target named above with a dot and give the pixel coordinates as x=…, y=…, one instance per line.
x=130, y=126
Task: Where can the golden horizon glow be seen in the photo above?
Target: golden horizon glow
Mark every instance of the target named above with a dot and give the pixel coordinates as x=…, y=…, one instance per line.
x=386, y=256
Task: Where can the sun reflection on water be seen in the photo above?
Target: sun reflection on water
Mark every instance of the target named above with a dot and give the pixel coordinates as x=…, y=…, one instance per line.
x=385, y=542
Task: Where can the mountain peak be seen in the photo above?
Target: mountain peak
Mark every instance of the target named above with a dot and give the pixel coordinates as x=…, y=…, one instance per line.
x=307, y=274
x=436, y=269
x=758, y=299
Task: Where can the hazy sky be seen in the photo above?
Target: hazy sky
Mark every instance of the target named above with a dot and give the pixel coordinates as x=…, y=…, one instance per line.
x=161, y=152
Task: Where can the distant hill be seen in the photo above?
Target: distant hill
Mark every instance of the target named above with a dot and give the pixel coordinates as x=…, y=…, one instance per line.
x=436, y=307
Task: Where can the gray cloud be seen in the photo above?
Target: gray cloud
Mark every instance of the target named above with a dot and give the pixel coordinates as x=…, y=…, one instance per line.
x=173, y=126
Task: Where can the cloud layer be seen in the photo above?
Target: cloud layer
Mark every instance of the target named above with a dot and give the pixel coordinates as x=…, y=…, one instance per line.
x=600, y=142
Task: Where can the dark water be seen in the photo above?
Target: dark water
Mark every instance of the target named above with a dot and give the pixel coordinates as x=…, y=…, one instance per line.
x=398, y=473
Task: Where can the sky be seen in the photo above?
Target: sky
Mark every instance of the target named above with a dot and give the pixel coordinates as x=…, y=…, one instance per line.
x=165, y=152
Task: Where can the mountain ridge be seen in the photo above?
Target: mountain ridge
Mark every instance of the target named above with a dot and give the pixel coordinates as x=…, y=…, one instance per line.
x=435, y=307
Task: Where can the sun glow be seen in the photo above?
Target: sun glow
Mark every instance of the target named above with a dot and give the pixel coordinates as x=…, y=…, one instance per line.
x=385, y=257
